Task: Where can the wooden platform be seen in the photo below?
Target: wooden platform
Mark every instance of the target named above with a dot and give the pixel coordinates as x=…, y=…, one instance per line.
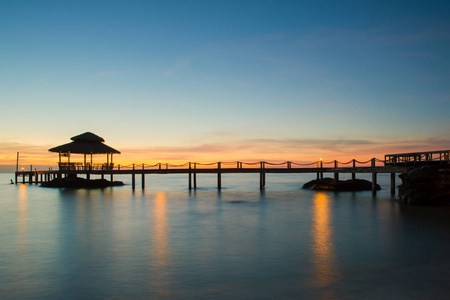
x=393, y=164
x=192, y=171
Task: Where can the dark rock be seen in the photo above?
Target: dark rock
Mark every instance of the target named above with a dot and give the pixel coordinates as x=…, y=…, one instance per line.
x=429, y=185
x=328, y=184
x=80, y=183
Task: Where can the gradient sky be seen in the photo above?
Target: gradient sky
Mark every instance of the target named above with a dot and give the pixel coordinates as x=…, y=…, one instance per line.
x=225, y=80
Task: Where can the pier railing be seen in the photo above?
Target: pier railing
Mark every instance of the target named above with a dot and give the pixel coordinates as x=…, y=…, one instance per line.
x=255, y=164
x=335, y=167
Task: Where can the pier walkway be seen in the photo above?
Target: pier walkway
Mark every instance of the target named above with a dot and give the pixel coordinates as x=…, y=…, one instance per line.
x=392, y=164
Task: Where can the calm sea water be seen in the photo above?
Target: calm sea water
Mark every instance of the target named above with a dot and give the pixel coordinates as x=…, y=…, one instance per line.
x=169, y=243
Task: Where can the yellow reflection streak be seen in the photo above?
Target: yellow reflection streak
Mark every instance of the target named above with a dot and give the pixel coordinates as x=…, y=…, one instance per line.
x=22, y=215
x=324, y=258
x=160, y=242
x=160, y=233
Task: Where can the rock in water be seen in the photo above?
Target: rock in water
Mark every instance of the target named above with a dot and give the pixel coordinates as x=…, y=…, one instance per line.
x=80, y=183
x=427, y=185
x=328, y=184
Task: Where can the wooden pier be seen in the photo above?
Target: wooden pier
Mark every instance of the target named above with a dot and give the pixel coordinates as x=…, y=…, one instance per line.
x=373, y=166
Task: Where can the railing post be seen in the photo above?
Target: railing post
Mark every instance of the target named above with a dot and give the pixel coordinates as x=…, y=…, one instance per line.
x=190, y=177
x=321, y=167
x=392, y=183
x=219, y=176
x=133, y=179
x=143, y=178
x=262, y=176
x=195, y=175
x=353, y=173
x=318, y=173
x=374, y=178
x=336, y=174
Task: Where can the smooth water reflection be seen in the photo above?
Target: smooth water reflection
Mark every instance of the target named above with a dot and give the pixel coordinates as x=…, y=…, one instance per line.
x=240, y=244
x=159, y=254
x=324, y=257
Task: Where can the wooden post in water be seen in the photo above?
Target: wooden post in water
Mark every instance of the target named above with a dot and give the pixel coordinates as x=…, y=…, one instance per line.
x=143, y=178
x=318, y=173
x=195, y=175
x=190, y=177
x=262, y=176
x=219, y=177
x=17, y=167
x=336, y=174
x=321, y=167
x=374, y=178
x=353, y=173
x=133, y=179
x=392, y=183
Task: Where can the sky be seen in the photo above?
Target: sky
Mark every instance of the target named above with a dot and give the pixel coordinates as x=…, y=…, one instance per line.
x=207, y=81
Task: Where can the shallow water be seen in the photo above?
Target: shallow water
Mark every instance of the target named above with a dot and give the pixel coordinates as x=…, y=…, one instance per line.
x=170, y=243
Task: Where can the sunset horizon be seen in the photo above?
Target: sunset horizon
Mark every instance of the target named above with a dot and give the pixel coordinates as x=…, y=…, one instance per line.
x=223, y=81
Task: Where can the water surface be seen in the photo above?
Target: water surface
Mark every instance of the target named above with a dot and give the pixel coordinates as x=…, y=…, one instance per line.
x=171, y=243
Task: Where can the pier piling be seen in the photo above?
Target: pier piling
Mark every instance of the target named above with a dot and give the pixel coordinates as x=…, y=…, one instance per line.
x=219, y=176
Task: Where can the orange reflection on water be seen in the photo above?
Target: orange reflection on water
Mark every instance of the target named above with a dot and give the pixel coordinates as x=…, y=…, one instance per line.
x=160, y=230
x=324, y=258
x=22, y=218
x=160, y=260
x=22, y=211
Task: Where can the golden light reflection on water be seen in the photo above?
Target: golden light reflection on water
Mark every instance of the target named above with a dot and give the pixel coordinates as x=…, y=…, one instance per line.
x=22, y=212
x=160, y=260
x=324, y=257
x=22, y=217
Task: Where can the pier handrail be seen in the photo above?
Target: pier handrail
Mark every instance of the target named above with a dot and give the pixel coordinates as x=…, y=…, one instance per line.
x=241, y=164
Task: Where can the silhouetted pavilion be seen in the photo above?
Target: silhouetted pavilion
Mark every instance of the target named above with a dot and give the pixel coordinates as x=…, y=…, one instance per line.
x=86, y=144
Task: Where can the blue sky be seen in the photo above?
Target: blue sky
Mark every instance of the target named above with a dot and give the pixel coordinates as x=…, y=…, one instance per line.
x=226, y=78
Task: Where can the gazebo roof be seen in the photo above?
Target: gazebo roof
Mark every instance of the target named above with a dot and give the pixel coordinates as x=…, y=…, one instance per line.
x=86, y=143
x=87, y=137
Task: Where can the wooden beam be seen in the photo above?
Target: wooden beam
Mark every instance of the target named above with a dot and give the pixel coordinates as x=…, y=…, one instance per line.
x=219, y=176
x=392, y=183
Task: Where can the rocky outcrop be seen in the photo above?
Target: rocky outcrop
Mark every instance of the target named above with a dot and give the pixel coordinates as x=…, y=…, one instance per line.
x=80, y=183
x=328, y=184
x=429, y=185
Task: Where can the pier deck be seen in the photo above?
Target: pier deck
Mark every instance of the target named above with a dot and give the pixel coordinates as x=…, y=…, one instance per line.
x=392, y=164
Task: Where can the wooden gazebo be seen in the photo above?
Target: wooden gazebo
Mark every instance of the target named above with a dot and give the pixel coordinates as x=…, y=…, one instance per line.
x=86, y=144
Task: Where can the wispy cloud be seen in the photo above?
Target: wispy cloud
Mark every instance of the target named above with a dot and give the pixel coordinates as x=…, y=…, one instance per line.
x=29, y=153
x=300, y=150
x=289, y=149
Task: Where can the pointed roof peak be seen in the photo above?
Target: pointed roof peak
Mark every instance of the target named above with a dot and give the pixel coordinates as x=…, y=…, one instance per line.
x=87, y=137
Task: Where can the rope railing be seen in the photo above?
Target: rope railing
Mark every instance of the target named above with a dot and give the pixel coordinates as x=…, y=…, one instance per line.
x=241, y=164
x=305, y=164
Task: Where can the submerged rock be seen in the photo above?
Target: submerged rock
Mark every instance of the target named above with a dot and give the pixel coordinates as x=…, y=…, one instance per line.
x=80, y=183
x=429, y=185
x=328, y=184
